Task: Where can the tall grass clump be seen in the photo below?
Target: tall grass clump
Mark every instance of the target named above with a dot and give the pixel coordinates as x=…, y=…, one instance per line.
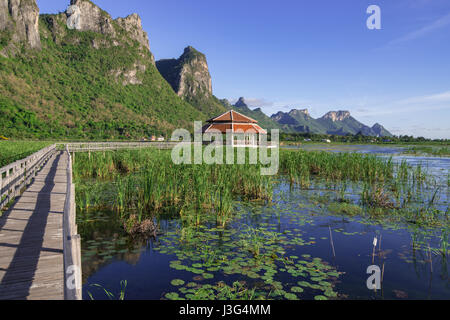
x=301, y=166
x=147, y=183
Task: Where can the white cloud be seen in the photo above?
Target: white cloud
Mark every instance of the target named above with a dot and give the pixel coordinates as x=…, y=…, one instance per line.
x=258, y=102
x=434, y=98
x=437, y=24
x=439, y=101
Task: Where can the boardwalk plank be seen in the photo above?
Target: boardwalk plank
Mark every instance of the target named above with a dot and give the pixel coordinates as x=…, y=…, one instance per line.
x=31, y=244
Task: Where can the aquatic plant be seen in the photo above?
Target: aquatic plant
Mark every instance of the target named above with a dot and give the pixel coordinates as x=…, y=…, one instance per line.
x=133, y=226
x=376, y=196
x=345, y=208
x=429, y=150
x=109, y=294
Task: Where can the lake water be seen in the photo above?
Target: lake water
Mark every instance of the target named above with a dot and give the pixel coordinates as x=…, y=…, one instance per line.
x=357, y=148
x=295, y=247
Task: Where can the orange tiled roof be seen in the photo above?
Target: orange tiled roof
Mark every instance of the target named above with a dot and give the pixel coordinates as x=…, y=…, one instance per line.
x=234, y=127
x=217, y=126
x=232, y=116
x=248, y=128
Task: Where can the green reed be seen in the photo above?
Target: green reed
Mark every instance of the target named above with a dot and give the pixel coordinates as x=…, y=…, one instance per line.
x=147, y=182
x=301, y=166
x=429, y=150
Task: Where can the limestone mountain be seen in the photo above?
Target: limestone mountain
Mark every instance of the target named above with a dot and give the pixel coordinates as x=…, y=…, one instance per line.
x=335, y=116
x=333, y=122
x=381, y=131
x=18, y=26
x=341, y=123
x=189, y=75
x=257, y=114
x=298, y=120
x=190, y=78
x=94, y=76
x=284, y=118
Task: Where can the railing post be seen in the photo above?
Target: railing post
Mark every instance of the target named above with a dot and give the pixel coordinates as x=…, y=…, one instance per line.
x=19, y=173
x=71, y=241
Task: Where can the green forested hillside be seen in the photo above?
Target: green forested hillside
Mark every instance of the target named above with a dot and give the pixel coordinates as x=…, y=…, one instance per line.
x=74, y=88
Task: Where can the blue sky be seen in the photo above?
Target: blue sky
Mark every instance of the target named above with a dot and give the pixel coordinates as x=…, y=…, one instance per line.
x=313, y=54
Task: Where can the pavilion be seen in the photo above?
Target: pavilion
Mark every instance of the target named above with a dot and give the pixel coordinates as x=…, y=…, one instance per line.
x=245, y=130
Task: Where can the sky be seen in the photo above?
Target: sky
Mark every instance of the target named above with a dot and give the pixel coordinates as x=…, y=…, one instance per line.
x=316, y=54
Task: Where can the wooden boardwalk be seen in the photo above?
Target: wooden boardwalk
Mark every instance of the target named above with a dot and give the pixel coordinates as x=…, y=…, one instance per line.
x=40, y=249
x=31, y=237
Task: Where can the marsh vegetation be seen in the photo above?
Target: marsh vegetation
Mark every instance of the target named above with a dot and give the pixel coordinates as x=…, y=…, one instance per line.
x=226, y=232
x=11, y=151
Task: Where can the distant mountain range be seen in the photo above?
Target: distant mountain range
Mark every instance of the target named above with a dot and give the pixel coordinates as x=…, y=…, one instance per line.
x=299, y=120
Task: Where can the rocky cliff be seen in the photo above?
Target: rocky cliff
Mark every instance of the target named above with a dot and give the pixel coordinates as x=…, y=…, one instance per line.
x=19, y=23
x=133, y=26
x=188, y=75
x=284, y=118
x=83, y=15
x=341, y=123
x=190, y=78
x=337, y=115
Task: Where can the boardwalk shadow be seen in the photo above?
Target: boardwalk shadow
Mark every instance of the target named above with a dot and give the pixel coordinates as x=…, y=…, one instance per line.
x=19, y=276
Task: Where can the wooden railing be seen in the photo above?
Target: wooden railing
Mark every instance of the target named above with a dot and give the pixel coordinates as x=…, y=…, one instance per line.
x=71, y=240
x=16, y=176
x=105, y=146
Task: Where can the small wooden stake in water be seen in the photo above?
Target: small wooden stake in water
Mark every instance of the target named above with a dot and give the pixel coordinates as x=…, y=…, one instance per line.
x=379, y=245
x=431, y=260
x=332, y=243
x=375, y=241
